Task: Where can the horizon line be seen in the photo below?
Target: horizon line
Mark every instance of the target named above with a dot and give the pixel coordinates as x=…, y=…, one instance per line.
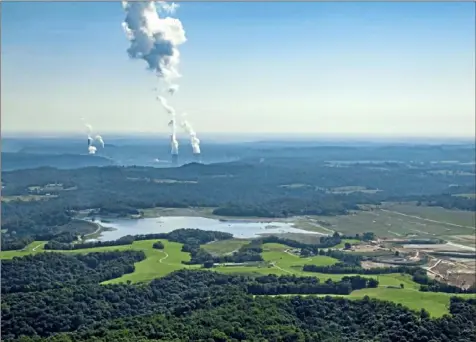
x=264, y=136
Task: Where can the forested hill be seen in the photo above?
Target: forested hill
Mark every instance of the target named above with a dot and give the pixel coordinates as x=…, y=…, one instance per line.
x=208, y=306
x=275, y=187
x=16, y=161
x=370, y=152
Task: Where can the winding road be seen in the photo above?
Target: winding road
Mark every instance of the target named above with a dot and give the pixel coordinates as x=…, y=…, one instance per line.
x=165, y=257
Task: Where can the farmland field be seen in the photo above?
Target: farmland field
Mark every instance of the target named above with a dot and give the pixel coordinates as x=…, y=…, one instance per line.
x=400, y=221
x=455, y=217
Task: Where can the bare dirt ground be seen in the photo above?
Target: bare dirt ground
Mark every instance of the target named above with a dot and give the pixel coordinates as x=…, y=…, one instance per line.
x=447, y=247
x=458, y=272
x=367, y=248
x=371, y=264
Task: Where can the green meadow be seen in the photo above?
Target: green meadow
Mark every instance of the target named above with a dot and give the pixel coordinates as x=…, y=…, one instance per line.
x=224, y=247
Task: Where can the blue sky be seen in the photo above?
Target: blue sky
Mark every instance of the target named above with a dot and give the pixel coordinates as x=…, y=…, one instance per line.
x=363, y=68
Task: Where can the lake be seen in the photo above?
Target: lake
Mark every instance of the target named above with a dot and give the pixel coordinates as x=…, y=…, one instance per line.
x=165, y=224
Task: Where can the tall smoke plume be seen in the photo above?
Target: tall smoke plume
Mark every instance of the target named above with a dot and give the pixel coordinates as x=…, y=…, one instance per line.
x=172, y=123
x=91, y=148
x=194, y=141
x=155, y=39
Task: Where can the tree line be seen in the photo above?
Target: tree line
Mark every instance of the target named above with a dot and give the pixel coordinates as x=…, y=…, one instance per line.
x=273, y=285
x=187, y=236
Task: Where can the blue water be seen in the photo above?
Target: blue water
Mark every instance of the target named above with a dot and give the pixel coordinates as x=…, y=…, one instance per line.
x=239, y=229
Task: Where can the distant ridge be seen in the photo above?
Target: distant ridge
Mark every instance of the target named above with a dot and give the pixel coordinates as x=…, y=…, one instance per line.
x=16, y=161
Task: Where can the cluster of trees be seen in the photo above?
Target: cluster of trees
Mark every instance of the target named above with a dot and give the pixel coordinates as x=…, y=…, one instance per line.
x=324, y=241
x=449, y=201
x=273, y=285
x=158, y=245
x=342, y=268
x=124, y=240
x=23, y=222
x=208, y=306
x=187, y=236
x=46, y=271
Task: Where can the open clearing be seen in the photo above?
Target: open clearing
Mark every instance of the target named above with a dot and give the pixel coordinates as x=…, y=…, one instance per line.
x=281, y=256
x=436, y=303
x=352, y=189
x=344, y=241
x=157, y=212
x=225, y=246
x=279, y=260
x=400, y=221
x=442, y=215
x=27, y=198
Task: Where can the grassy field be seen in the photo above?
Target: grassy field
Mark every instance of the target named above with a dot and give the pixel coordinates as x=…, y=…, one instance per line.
x=32, y=248
x=225, y=246
x=398, y=221
x=455, y=217
x=158, y=263
x=344, y=241
x=27, y=198
x=277, y=253
x=278, y=260
x=157, y=212
x=436, y=304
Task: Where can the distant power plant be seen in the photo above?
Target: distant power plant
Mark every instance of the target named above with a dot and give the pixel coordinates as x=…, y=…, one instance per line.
x=196, y=157
x=175, y=159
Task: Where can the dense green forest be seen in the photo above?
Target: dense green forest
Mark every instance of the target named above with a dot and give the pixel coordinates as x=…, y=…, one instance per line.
x=46, y=271
x=277, y=187
x=204, y=306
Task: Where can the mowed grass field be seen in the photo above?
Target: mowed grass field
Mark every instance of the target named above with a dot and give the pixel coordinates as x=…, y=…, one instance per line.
x=225, y=246
x=278, y=260
x=283, y=258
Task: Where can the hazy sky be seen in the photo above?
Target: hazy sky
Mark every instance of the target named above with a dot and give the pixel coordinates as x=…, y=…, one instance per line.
x=397, y=68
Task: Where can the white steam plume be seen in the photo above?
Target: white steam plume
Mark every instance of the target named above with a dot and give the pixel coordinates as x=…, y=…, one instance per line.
x=194, y=141
x=172, y=123
x=155, y=39
x=92, y=149
x=100, y=140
